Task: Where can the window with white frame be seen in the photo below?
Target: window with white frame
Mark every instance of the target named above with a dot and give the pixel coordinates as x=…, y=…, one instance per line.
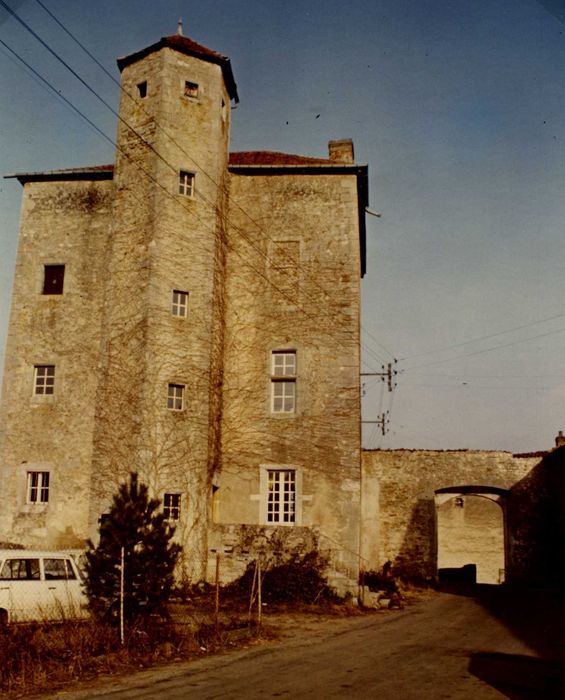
x=281, y=496
x=37, y=487
x=180, y=303
x=283, y=381
x=171, y=506
x=175, y=397
x=43, y=380
x=186, y=183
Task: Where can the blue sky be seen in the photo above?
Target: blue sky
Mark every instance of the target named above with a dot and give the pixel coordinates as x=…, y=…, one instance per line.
x=458, y=109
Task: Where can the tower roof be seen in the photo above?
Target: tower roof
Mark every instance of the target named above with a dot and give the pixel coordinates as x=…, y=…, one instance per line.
x=189, y=47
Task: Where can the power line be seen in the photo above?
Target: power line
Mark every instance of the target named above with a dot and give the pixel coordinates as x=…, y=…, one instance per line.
x=484, y=337
x=480, y=352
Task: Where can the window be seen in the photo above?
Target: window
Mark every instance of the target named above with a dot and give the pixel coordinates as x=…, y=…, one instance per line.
x=44, y=380
x=171, y=506
x=190, y=89
x=142, y=89
x=37, y=487
x=180, y=303
x=186, y=183
x=175, y=397
x=282, y=496
x=58, y=570
x=20, y=570
x=283, y=382
x=53, y=279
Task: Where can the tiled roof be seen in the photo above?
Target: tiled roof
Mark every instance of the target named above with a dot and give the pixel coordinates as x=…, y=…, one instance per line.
x=183, y=44
x=274, y=158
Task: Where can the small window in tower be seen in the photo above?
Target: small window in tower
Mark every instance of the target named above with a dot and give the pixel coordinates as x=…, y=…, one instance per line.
x=142, y=88
x=186, y=183
x=53, y=279
x=190, y=89
x=171, y=506
x=43, y=380
x=180, y=303
x=175, y=397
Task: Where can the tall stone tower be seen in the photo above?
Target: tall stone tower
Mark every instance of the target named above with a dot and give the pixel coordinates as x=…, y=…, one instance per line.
x=158, y=400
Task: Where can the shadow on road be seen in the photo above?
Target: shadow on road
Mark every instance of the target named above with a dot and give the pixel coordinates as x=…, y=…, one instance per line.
x=519, y=677
x=537, y=617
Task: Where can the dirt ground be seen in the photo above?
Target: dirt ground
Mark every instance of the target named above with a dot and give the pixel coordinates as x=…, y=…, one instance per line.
x=479, y=647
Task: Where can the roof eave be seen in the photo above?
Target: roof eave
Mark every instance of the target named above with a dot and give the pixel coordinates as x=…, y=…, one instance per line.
x=23, y=178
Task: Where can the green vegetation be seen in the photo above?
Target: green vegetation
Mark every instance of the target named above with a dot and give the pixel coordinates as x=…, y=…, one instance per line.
x=137, y=525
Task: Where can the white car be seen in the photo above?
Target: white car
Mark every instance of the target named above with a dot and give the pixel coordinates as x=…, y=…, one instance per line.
x=40, y=586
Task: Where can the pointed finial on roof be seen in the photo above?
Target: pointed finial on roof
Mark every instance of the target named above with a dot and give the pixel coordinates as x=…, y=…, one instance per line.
x=179, y=27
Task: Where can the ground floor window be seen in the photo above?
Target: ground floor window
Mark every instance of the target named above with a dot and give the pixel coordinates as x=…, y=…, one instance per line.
x=37, y=487
x=281, y=496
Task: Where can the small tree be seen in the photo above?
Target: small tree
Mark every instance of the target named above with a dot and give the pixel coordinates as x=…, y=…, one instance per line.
x=135, y=523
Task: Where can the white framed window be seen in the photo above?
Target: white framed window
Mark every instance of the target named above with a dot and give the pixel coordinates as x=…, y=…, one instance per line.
x=186, y=183
x=37, y=487
x=281, y=498
x=175, y=397
x=171, y=506
x=180, y=303
x=43, y=380
x=283, y=381
x=190, y=89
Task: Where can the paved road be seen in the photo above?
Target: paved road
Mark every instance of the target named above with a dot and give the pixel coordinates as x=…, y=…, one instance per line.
x=448, y=647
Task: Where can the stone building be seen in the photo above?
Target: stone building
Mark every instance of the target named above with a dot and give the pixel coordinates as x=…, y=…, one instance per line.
x=193, y=315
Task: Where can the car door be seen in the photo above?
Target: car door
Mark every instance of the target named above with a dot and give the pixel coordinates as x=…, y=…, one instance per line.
x=65, y=597
x=21, y=591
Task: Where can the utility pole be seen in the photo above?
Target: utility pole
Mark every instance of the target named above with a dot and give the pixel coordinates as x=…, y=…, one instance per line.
x=383, y=420
x=387, y=374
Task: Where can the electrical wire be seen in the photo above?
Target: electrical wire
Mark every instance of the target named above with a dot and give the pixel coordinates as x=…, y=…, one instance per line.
x=484, y=337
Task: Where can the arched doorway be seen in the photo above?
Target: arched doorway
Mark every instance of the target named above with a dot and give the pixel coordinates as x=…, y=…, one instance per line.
x=471, y=533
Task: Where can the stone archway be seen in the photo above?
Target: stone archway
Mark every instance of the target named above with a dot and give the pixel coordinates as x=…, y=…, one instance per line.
x=471, y=540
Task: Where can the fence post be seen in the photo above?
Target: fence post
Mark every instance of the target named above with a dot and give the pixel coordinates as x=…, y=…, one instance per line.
x=252, y=596
x=122, y=565
x=217, y=600
x=259, y=591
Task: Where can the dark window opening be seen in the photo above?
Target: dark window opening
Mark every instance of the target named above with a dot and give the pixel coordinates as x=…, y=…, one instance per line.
x=171, y=506
x=53, y=279
x=142, y=88
x=190, y=89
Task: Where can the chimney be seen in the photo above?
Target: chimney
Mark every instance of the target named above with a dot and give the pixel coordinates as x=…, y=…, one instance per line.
x=560, y=439
x=341, y=151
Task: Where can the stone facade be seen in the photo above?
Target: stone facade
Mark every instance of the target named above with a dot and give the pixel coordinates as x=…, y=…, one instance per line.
x=263, y=251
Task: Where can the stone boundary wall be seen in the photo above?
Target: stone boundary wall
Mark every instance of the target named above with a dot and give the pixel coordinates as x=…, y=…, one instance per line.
x=398, y=506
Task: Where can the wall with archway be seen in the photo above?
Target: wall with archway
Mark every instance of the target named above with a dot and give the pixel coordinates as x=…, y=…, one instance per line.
x=399, y=517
